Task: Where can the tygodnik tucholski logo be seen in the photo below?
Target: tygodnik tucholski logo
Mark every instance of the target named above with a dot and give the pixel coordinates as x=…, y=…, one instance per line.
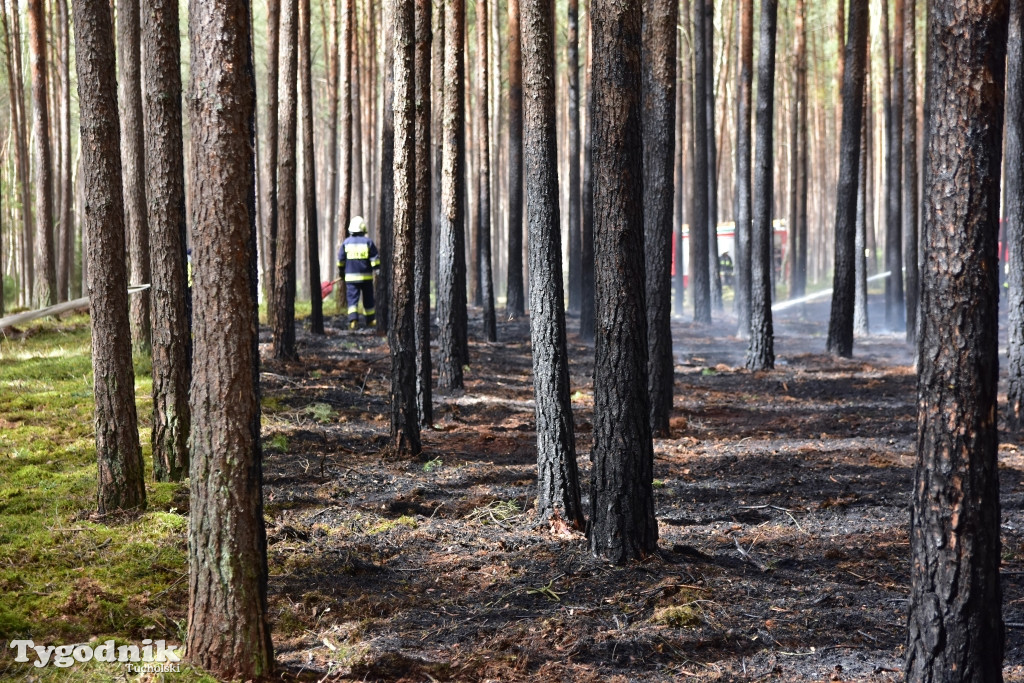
x=151, y=657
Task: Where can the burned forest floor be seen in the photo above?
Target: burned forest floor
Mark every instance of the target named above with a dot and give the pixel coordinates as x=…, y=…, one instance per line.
x=782, y=504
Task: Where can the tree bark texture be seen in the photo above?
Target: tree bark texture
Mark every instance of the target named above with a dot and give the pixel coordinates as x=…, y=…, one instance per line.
x=228, y=630
x=387, y=176
x=484, y=175
x=892, y=104
x=316, y=317
x=273, y=57
x=714, y=269
x=955, y=628
x=165, y=197
x=659, y=100
x=12, y=52
x=423, y=219
x=65, y=245
x=587, y=303
x=840, y=325
x=1014, y=211
x=515, y=296
x=46, y=266
x=133, y=161
x=405, y=426
x=797, y=111
x=284, y=265
x=860, y=300
x=558, y=489
x=700, y=274
x=910, y=184
x=451, y=287
x=332, y=59
x=743, y=167
x=121, y=473
x=572, y=65
x=761, y=348
x=623, y=525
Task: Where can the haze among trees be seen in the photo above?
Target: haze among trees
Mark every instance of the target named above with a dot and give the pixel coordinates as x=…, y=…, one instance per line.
x=682, y=355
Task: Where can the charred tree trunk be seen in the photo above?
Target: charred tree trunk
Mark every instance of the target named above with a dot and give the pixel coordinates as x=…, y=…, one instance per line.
x=840, y=326
x=273, y=56
x=515, y=297
x=451, y=287
x=572, y=65
x=761, y=349
x=405, y=426
x=558, y=494
x=587, y=312
x=423, y=219
x=659, y=100
x=683, y=134
x=316, y=317
x=892, y=105
x=1014, y=203
x=121, y=472
x=714, y=268
x=332, y=139
x=284, y=265
x=910, y=185
x=860, y=302
x=623, y=525
x=387, y=177
x=700, y=274
x=955, y=628
x=484, y=175
x=46, y=266
x=165, y=197
x=743, y=167
x=133, y=163
x=228, y=630
x=797, y=112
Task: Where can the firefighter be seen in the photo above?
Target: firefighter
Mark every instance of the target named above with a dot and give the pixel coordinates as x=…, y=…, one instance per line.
x=357, y=261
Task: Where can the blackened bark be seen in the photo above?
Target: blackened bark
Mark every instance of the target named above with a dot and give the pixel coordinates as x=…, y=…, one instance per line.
x=405, y=426
x=165, y=197
x=700, y=274
x=892, y=103
x=451, y=276
x=743, y=167
x=1014, y=203
x=515, y=297
x=572, y=65
x=316, y=316
x=682, y=170
x=659, y=92
x=387, y=177
x=910, y=186
x=761, y=348
x=46, y=267
x=860, y=302
x=483, y=148
x=558, y=489
x=133, y=163
x=273, y=55
x=623, y=525
x=840, y=326
x=587, y=214
x=423, y=220
x=714, y=269
x=228, y=630
x=121, y=473
x=284, y=265
x=955, y=628
x=796, y=114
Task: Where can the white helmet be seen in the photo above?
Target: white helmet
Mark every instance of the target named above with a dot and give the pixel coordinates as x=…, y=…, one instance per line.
x=357, y=226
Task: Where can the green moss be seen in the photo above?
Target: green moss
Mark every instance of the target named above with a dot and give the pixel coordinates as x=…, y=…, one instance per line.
x=678, y=616
x=388, y=524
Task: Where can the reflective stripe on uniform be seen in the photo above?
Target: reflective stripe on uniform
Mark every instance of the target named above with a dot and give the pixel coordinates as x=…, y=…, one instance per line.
x=357, y=252
x=375, y=262
x=369, y=311
x=358, y=277
x=353, y=309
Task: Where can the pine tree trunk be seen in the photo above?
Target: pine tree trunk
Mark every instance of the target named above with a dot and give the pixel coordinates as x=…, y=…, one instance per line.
x=46, y=268
x=1014, y=203
x=761, y=349
x=345, y=162
x=587, y=304
x=284, y=265
x=572, y=59
x=714, y=268
x=133, y=162
x=558, y=489
x=451, y=287
x=423, y=219
x=840, y=326
x=892, y=104
x=65, y=246
x=121, y=473
x=387, y=178
x=860, y=302
x=623, y=525
x=228, y=630
x=165, y=197
x=332, y=141
x=796, y=112
x=682, y=132
x=743, y=168
x=910, y=185
x=659, y=84
x=273, y=58
x=514, y=296
x=955, y=627
x=484, y=174
x=316, y=317
x=700, y=274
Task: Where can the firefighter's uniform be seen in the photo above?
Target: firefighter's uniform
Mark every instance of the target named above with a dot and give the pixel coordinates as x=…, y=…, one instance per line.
x=357, y=260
